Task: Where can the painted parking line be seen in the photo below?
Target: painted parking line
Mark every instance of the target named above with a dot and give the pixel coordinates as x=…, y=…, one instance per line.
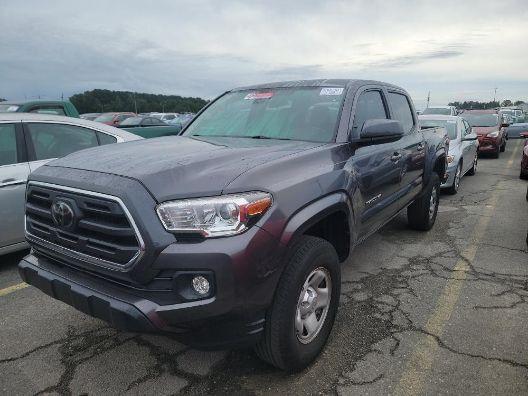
x=11, y=289
x=423, y=355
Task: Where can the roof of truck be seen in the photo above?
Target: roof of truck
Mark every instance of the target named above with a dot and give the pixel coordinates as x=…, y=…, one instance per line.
x=316, y=83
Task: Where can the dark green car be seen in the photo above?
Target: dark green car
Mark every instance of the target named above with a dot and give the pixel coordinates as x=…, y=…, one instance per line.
x=149, y=127
x=56, y=107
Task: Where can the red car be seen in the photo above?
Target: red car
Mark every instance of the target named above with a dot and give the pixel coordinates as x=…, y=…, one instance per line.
x=524, y=161
x=113, y=118
x=490, y=129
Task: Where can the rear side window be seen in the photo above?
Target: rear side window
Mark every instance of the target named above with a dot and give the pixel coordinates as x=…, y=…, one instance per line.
x=401, y=110
x=8, y=145
x=58, y=140
x=369, y=107
x=106, y=139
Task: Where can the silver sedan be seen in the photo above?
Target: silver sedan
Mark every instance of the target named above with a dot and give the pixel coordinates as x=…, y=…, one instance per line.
x=462, y=158
x=28, y=141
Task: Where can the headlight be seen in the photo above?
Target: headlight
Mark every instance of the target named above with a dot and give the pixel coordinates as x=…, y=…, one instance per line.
x=493, y=134
x=450, y=159
x=216, y=216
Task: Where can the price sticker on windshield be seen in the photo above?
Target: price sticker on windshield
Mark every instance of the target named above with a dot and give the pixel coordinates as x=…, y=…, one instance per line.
x=331, y=91
x=258, y=95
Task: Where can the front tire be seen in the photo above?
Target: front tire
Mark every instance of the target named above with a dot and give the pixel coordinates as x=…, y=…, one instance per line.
x=503, y=147
x=304, y=306
x=421, y=214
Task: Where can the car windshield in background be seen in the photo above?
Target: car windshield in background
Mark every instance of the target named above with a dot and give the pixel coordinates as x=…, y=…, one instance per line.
x=304, y=113
x=105, y=118
x=449, y=125
x=131, y=121
x=8, y=108
x=437, y=110
x=482, y=120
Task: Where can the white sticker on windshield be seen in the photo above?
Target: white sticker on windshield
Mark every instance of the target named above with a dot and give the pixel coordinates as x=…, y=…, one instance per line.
x=331, y=91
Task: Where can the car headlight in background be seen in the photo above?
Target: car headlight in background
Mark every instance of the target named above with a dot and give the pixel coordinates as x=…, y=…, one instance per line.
x=216, y=216
x=450, y=159
x=493, y=134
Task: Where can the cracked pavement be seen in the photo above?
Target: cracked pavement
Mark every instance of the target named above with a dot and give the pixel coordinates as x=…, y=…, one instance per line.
x=443, y=312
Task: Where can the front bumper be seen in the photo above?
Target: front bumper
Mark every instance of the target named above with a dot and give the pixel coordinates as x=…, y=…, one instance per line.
x=450, y=177
x=226, y=318
x=488, y=145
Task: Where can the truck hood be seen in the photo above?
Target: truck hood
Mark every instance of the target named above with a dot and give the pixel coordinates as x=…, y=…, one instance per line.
x=181, y=167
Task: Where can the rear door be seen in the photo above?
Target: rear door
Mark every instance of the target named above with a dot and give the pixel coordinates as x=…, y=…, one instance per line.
x=469, y=147
x=410, y=148
x=374, y=166
x=14, y=170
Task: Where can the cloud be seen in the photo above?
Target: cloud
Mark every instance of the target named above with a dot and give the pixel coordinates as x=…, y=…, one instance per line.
x=201, y=48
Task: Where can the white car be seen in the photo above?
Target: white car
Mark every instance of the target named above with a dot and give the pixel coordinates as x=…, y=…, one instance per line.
x=28, y=141
x=441, y=110
x=462, y=157
x=165, y=116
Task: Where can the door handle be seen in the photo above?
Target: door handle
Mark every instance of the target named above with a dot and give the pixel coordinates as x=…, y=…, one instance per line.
x=420, y=147
x=11, y=182
x=396, y=157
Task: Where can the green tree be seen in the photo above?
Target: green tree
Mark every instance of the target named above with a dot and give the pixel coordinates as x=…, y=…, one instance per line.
x=103, y=100
x=506, y=103
x=518, y=102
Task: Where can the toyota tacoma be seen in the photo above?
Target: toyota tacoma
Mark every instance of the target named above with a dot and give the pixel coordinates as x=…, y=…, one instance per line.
x=233, y=232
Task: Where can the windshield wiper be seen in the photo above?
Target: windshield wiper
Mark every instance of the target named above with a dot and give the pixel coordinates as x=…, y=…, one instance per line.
x=265, y=137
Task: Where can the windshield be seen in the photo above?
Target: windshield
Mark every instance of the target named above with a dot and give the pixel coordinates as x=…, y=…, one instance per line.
x=481, y=120
x=437, y=110
x=8, y=108
x=105, y=117
x=305, y=113
x=449, y=125
x=131, y=121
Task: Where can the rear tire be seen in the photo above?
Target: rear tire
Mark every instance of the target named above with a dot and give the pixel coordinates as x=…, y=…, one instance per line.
x=295, y=301
x=524, y=176
x=421, y=214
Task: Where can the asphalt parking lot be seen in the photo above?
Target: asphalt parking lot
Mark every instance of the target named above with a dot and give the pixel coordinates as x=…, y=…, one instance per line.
x=435, y=313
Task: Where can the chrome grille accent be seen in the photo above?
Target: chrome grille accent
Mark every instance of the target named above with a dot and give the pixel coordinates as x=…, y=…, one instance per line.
x=103, y=234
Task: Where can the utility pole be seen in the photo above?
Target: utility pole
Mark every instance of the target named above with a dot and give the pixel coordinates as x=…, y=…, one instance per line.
x=135, y=102
x=495, y=95
x=428, y=99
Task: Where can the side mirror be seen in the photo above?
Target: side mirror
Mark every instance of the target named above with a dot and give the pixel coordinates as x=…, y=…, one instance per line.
x=381, y=131
x=470, y=136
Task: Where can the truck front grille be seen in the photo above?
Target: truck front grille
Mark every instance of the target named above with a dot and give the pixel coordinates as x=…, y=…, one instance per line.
x=88, y=226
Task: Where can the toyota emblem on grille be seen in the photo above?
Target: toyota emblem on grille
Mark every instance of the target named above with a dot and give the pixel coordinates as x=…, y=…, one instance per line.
x=62, y=213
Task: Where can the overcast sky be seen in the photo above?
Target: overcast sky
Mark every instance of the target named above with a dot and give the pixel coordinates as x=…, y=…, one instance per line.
x=458, y=50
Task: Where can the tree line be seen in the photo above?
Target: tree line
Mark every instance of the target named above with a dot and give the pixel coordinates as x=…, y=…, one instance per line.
x=476, y=105
x=104, y=100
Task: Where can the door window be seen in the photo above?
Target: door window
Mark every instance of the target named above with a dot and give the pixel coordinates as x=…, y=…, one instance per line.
x=369, y=107
x=8, y=145
x=401, y=110
x=58, y=140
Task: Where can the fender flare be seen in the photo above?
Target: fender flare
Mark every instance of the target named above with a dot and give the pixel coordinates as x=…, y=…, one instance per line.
x=314, y=212
x=429, y=169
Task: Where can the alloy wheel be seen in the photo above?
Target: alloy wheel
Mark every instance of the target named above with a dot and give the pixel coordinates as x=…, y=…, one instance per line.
x=313, y=305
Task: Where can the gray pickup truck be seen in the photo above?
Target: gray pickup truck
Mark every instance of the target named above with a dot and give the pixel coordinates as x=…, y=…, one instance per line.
x=233, y=233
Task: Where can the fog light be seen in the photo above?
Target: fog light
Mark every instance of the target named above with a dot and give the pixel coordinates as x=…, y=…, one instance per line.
x=200, y=285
